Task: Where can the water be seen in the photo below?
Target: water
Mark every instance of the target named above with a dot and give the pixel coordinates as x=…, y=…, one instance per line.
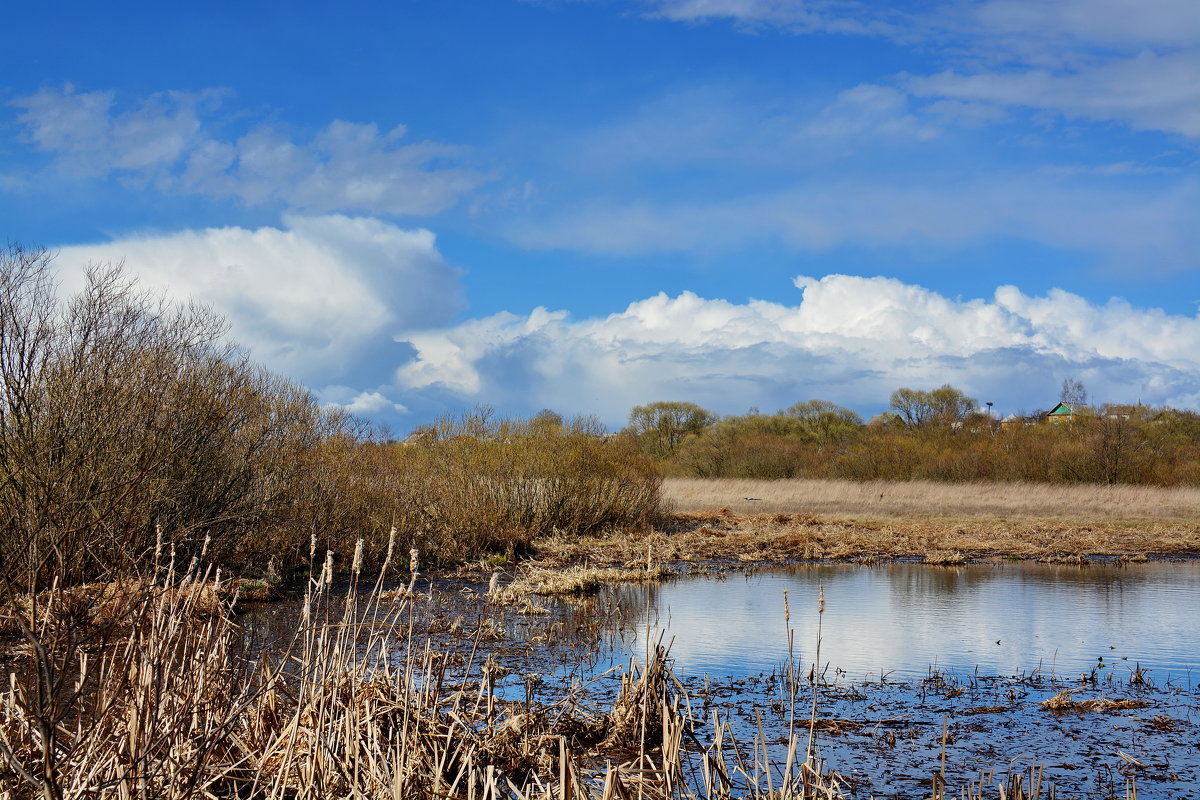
x=899, y=621
x=924, y=664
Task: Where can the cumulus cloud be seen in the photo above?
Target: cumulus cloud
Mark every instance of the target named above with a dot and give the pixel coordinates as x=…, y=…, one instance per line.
x=365, y=404
x=310, y=299
x=170, y=141
x=850, y=339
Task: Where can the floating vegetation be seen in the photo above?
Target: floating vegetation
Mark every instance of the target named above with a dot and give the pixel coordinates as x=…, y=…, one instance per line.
x=1064, y=703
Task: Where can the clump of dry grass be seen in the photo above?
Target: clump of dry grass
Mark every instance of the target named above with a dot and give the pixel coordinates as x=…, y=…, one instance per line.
x=945, y=558
x=104, y=605
x=574, y=580
x=1064, y=703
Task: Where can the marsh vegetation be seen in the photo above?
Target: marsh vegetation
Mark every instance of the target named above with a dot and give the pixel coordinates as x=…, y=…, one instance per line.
x=153, y=478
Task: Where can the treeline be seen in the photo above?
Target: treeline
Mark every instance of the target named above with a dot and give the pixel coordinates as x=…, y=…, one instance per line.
x=936, y=434
x=132, y=434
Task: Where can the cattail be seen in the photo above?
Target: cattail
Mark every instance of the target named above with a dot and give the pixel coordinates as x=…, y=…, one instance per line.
x=327, y=571
x=356, y=566
x=413, y=565
x=204, y=547
x=787, y=611
x=821, y=602
x=312, y=549
x=217, y=581
x=157, y=541
x=391, y=547
x=494, y=584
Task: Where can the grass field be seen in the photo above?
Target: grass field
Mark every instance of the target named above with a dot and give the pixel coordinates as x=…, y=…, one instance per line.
x=885, y=500
x=942, y=524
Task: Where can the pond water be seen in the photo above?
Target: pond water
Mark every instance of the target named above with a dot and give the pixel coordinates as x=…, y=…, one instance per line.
x=922, y=666
x=900, y=621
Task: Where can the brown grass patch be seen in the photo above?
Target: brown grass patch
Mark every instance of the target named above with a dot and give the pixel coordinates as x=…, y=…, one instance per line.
x=930, y=500
x=1064, y=703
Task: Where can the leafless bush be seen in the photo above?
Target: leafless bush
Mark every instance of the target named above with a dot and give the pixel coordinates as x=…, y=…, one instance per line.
x=474, y=484
x=123, y=415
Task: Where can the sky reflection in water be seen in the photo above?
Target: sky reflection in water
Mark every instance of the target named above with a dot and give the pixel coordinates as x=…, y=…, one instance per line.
x=902, y=619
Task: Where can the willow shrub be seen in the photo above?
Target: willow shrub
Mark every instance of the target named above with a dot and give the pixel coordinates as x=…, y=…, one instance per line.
x=473, y=485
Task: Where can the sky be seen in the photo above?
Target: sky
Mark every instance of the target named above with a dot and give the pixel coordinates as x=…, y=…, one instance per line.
x=416, y=208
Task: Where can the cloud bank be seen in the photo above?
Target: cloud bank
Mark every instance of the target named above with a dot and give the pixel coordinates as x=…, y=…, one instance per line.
x=315, y=299
x=848, y=339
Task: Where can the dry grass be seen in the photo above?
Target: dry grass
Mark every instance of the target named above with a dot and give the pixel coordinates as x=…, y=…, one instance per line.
x=873, y=522
x=888, y=500
x=1065, y=703
x=165, y=709
x=575, y=580
x=779, y=537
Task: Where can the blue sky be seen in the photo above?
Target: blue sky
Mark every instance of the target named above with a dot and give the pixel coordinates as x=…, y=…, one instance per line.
x=416, y=207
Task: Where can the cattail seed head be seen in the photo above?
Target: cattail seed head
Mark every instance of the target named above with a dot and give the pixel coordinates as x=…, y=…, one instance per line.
x=391, y=546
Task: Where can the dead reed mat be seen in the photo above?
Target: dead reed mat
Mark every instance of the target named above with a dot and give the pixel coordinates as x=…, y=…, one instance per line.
x=158, y=704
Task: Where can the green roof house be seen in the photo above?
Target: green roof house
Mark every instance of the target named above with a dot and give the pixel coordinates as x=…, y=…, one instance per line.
x=1061, y=414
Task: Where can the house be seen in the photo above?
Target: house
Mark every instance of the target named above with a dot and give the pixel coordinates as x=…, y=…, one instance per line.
x=1014, y=421
x=1061, y=414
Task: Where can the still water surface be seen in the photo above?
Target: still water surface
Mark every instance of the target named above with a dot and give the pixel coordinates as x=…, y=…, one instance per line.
x=900, y=620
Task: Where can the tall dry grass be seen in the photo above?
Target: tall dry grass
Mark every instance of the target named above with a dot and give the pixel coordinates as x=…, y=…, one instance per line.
x=933, y=500
x=167, y=708
x=473, y=484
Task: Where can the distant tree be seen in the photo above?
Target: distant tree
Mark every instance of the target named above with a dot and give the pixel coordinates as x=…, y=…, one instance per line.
x=546, y=423
x=939, y=406
x=660, y=427
x=823, y=419
x=1073, y=392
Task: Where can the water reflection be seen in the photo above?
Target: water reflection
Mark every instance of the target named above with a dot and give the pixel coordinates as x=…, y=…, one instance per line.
x=900, y=620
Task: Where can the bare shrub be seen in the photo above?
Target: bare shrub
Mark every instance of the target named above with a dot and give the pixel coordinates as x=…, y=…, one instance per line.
x=123, y=416
x=474, y=484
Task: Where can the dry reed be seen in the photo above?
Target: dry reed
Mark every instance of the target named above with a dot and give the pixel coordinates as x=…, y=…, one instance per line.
x=1064, y=703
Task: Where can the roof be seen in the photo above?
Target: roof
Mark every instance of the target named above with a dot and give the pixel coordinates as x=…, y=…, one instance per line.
x=1060, y=410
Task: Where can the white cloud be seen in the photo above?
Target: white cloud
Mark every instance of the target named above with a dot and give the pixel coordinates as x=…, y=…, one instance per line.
x=801, y=16
x=367, y=404
x=306, y=299
x=850, y=339
x=90, y=138
x=1128, y=61
x=1126, y=24
x=169, y=141
x=1147, y=92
